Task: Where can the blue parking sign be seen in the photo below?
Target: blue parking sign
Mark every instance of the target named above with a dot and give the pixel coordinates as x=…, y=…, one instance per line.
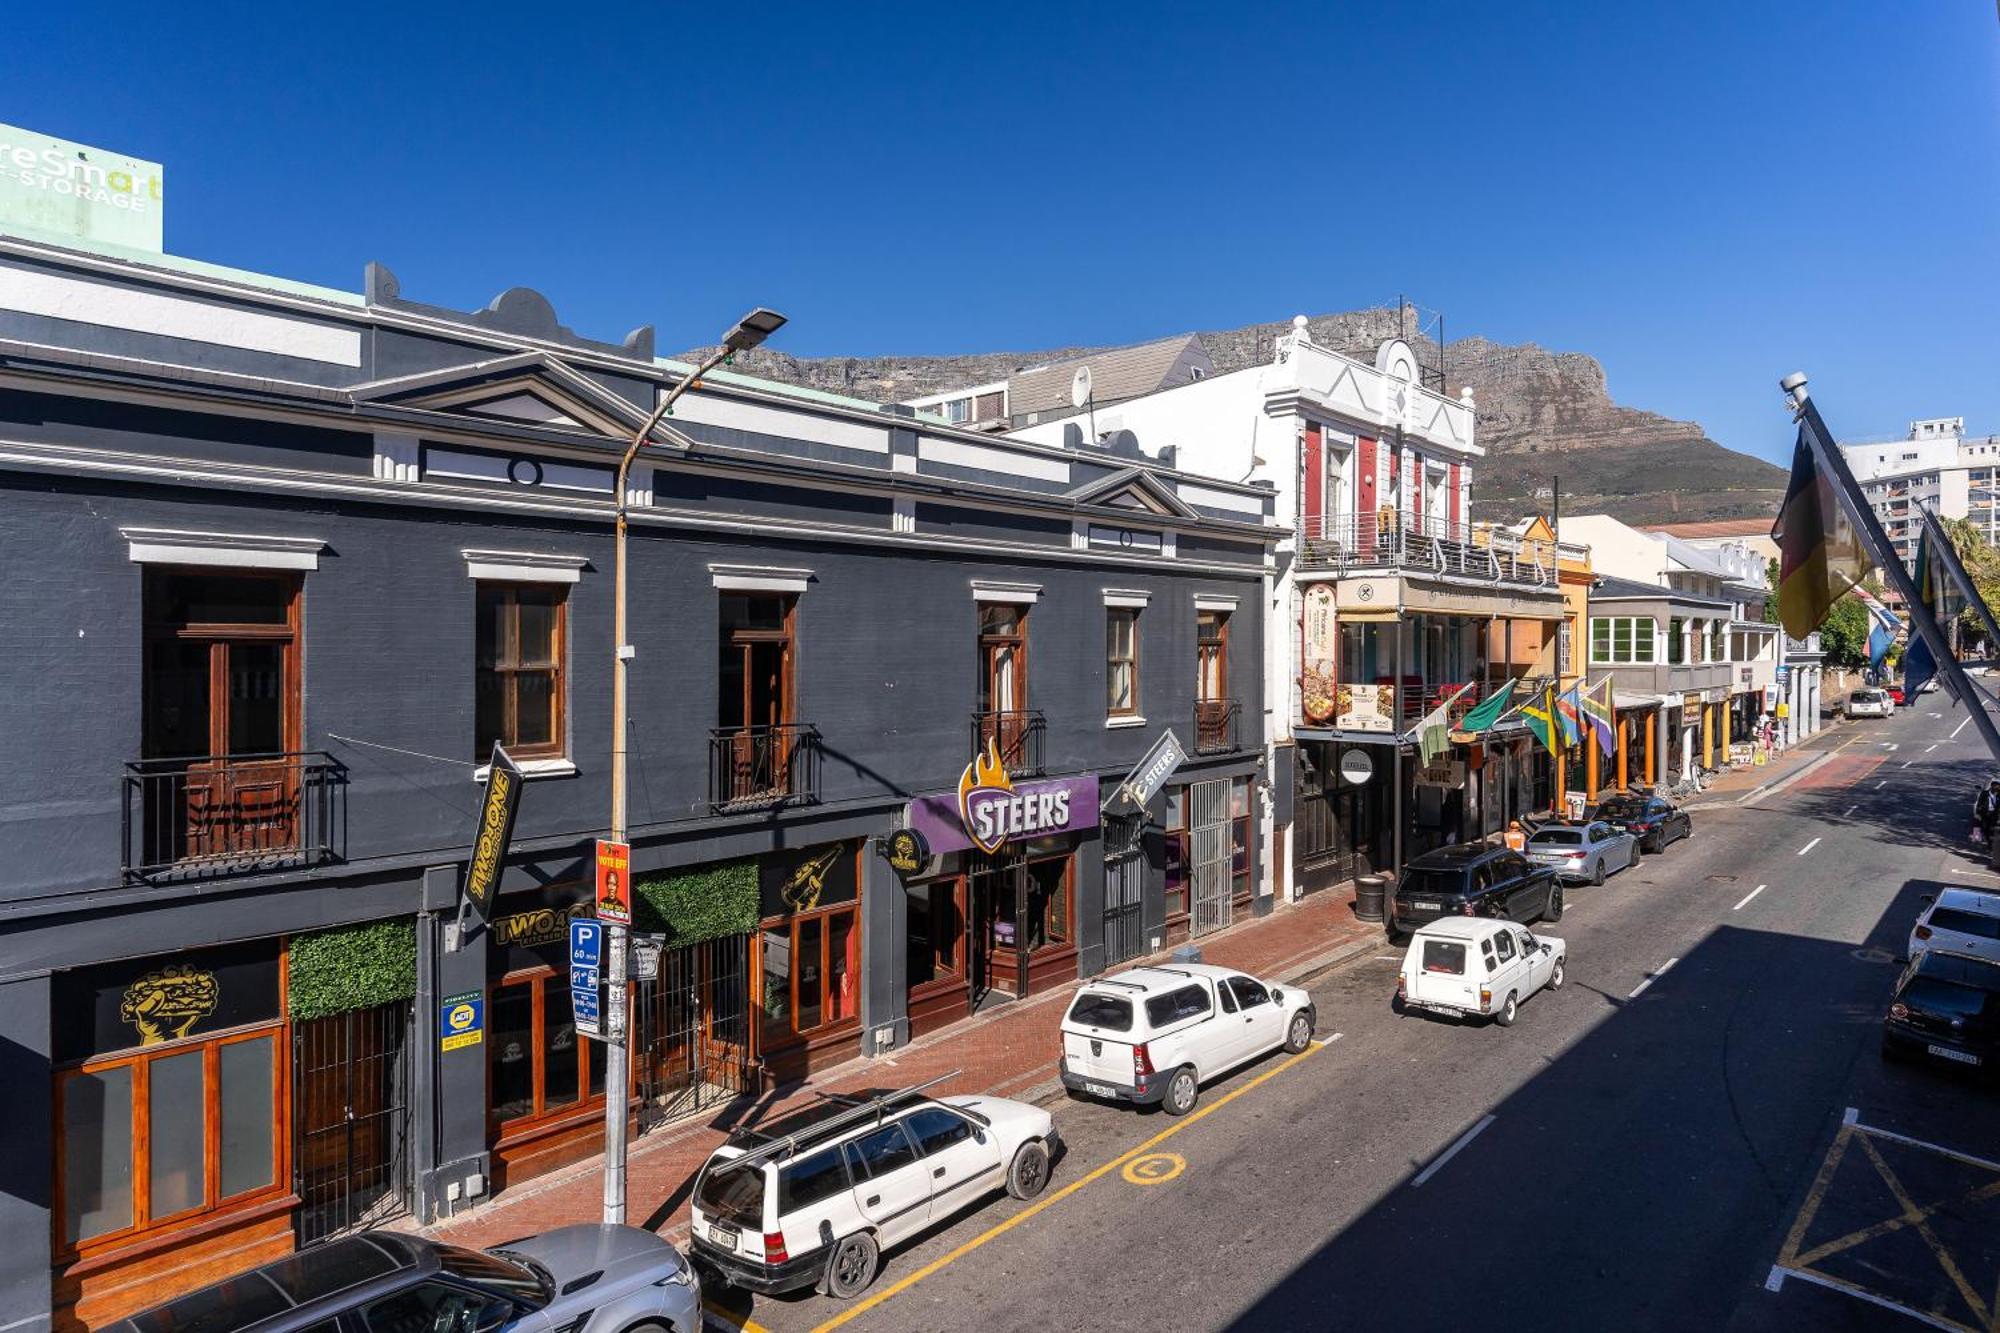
x=586, y=943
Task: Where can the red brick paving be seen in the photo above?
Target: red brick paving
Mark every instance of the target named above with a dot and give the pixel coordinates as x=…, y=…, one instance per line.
x=1005, y=1053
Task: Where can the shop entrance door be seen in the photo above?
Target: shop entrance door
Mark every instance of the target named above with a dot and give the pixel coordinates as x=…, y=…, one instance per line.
x=1208, y=844
x=1124, y=887
x=351, y=1166
x=1322, y=825
x=993, y=888
x=693, y=1037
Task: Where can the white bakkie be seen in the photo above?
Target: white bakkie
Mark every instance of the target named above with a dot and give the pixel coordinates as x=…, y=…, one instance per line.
x=1155, y=1034
x=1478, y=966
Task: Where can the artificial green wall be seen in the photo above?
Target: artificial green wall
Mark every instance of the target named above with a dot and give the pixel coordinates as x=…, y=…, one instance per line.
x=700, y=904
x=351, y=967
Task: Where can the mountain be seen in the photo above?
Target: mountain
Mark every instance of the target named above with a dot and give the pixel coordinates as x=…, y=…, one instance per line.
x=1543, y=417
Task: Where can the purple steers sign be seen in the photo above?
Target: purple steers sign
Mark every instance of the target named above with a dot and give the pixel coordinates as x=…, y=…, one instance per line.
x=989, y=810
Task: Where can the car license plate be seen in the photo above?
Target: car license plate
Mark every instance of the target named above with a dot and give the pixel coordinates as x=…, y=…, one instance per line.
x=722, y=1235
x=1100, y=1089
x=1427, y=904
x=1963, y=1057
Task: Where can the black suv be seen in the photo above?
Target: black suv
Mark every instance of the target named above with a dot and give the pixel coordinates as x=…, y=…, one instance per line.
x=1946, y=1005
x=1474, y=879
x=1653, y=820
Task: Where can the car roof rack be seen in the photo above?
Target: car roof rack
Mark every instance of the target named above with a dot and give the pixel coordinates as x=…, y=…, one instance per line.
x=1106, y=981
x=859, y=1111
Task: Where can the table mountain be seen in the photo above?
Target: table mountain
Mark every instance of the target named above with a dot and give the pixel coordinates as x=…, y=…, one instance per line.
x=1542, y=415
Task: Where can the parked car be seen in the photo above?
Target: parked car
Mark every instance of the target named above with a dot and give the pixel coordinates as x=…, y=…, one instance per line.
x=1478, y=967
x=1929, y=686
x=1959, y=921
x=1653, y=820
x=1583, y=851
x=604, y=1279
x=1473, y=879
x=813, y=1199
x=1869, y=703
x=1946, y=1005
x=1156, y=1034
x=1895, y=693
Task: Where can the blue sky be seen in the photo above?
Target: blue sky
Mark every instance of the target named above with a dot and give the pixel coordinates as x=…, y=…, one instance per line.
x=1702, y=195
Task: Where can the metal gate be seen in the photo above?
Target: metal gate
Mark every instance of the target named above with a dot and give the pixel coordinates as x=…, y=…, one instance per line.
x=1124, y=887
x=1209, y=853
x=351, y=1113
x=692, y=1047
x=1324, y=851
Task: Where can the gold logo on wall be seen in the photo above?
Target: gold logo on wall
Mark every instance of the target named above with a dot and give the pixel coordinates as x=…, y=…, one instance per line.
x=165, y=1005
x=802, y=890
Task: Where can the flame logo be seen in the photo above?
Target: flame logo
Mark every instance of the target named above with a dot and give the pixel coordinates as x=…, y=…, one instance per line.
x=984, y=777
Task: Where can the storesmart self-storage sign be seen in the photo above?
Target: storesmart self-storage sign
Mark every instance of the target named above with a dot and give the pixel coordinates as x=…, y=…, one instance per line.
x=54, y=187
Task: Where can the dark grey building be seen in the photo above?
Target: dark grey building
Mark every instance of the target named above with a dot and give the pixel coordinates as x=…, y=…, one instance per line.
x=286, y=562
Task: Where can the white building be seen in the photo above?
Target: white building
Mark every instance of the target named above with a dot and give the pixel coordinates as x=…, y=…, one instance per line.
x=1937, y=465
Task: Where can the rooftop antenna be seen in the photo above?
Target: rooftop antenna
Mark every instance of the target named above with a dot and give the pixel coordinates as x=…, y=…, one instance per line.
x=1079, y=396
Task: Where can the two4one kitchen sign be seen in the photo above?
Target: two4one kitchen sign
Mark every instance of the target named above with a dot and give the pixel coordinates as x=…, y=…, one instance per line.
x=990, y=810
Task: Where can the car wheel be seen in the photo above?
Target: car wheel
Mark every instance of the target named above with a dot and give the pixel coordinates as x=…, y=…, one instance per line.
x=1638, y=854
x=1029, y=1174
x=1182, y=1092
x=1597, y=875
x=1554, y=911
x=1557, y=977
x=851, y=1266
x=1299, y=1032
x=1509, y=1011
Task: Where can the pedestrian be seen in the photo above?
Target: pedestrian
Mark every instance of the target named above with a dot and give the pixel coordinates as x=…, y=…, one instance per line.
x=1986, y=811
x=1517, y=841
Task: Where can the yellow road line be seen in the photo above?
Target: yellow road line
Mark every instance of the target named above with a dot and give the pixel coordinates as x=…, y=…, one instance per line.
x=860, y=1308
x=748, y=1325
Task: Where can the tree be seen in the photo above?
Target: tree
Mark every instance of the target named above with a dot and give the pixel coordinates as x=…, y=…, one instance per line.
x=1982, y=566
x=1844, y=636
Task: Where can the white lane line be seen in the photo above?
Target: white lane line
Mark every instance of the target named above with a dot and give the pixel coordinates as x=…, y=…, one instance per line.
x=1954, y=870
x=1852, y=1116
x=1933, y=746
x=1652, y=977
x=1776, y=1281
x=1908, y=762
x=1938, y=1148
x=1955, y=730
x=1388, y=958
x=1851, y=809
x=1808, y=847
x=1452, y=1151
x=1890, y=745
x=1748, y=896
x=1880, y=785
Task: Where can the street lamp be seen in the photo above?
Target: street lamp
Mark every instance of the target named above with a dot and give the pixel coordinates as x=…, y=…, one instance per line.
x=747, y=333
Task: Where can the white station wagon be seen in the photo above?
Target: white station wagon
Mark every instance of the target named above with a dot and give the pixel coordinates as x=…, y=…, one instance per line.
x=1478, y=966
x=1156, y=1034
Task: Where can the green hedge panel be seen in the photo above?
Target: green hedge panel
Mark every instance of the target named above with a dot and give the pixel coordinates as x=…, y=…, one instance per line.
x=700, y=904
x=351, y=967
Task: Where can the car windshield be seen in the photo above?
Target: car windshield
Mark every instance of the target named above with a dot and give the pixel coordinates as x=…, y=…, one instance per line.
x=1095, y=1010
x=1432, y=880
x=1622, y=807
x=1966, y=923
x=1446, y=956
x=522, y=1278
x=1556, y=837
x=730, y=1193
x=1934, y=995
x=1867, y=696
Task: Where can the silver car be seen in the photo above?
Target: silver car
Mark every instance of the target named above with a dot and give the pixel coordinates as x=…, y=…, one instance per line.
x=1583, y=851
x=581, y=1279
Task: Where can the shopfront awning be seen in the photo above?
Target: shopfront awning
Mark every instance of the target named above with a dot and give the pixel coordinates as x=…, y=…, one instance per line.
x=1633, y=703
x=1333, y=737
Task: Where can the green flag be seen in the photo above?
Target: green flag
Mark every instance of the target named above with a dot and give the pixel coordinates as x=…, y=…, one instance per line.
x=1491, y=710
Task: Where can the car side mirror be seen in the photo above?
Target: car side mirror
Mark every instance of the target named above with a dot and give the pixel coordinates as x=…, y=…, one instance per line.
x=494, y=1316
x=1548, y=948
x=1277, y=996
x=979, y=1136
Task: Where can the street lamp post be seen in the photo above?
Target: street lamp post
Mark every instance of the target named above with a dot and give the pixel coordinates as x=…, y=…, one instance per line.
x=749, y=331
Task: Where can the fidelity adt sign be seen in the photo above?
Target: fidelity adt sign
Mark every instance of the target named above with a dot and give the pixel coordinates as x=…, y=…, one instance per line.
x=58, y=188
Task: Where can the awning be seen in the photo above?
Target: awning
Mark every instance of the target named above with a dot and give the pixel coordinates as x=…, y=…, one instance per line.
x=1634, y=703
x=1331, y=737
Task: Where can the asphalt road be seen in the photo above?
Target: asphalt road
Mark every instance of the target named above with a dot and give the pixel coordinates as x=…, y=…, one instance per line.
x=1696, y=1131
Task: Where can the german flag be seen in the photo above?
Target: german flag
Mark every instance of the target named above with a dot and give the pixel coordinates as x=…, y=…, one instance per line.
x=1820, y=555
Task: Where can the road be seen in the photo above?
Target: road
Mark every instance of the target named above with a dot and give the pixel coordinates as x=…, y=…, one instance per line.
x=1647, y=1148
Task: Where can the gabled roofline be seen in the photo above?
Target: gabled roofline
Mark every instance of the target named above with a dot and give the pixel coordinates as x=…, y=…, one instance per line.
x=1129, y=478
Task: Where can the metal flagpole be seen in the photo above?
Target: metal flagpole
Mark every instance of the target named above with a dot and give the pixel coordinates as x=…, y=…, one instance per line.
x=1948, y=556
x=1829, y=457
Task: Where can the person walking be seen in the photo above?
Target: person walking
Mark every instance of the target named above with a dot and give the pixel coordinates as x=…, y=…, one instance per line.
x=1986, y=811
x=1517, y=841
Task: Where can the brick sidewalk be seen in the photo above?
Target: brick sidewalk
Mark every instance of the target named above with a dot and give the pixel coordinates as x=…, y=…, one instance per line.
x=1006, y=1053
x=1738, y=782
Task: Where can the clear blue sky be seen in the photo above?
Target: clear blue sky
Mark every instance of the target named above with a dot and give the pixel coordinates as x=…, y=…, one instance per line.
x=1703, y=195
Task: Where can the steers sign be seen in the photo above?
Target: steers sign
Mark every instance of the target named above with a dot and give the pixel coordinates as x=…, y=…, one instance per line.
x=990, y=810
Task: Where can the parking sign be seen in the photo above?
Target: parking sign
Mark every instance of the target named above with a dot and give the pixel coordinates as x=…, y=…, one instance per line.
x=586, y=943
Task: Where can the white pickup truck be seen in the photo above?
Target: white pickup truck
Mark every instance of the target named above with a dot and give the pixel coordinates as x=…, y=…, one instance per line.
x=1478, y=966
x=1155, y=1034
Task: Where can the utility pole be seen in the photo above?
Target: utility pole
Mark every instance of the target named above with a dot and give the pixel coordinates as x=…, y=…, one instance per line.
x=749, y=331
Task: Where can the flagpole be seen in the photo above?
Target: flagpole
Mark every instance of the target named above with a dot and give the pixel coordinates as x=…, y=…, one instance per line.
x=1829, y=457
x=1948, y=556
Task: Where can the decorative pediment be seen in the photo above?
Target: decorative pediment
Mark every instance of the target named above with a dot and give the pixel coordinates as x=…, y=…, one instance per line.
x=1132, y=489
x=532, y=388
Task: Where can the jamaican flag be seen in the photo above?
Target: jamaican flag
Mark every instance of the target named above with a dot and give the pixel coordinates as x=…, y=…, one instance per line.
x=1820, y=555
x=1542, y=720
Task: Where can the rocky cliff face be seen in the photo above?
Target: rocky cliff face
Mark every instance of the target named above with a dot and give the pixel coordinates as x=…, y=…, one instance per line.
x=1544, y=417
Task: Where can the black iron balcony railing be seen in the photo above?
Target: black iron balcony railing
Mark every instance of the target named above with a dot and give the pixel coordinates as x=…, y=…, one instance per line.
x=750, y=767
x=1392, y=541
x=1016, y=734
x=230, y=814
x=1215, y=725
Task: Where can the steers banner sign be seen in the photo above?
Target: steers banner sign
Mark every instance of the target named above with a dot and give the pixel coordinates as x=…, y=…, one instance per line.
x=990, y=810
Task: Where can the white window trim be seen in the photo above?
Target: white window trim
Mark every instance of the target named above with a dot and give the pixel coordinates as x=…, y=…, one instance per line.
x=221, y=550
x=759, y=578
x=523, y=566
x=532, y=768
x=1124, y=720
x=1128, y=597
x=984, y=590
x=1212, y=602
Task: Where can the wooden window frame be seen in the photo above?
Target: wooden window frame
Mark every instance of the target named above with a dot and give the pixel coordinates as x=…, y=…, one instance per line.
x=557, y=746
x=1067, y=895
x=220, y=636
x=541, y=1115
x=1178, y=836
x=989, y=646
x=742, y=639
x=139, y=1060
x=955, y=974
x=792, y=1034
x=1214, y=650
x=1112, y=615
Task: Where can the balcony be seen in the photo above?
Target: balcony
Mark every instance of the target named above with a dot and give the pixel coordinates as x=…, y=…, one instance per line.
x=1388, y=541
x=1216, y=725
x=1016, y=734
x=754, y=768
x=220, y=815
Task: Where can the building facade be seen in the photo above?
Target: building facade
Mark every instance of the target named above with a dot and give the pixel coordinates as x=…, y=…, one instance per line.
x=290, y=561
x=1936, y=465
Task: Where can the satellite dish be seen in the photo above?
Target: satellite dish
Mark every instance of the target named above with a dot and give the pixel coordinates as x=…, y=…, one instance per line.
x=1079, y=387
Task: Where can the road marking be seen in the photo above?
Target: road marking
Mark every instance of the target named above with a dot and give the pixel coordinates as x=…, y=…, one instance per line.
x=1955, y=730
x=859, y=1308
x=1779, y=1273
x=1452, y=1151
x=1954, y=870
x=1890, y=745
x=1154, y=1168
x=1808, y=847
x=1851, y=809
x=728, y=1320
x=1746, y=901
x=1880, y=785
x=1652, y=977
x=1929, y=748
x=1908, y=762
